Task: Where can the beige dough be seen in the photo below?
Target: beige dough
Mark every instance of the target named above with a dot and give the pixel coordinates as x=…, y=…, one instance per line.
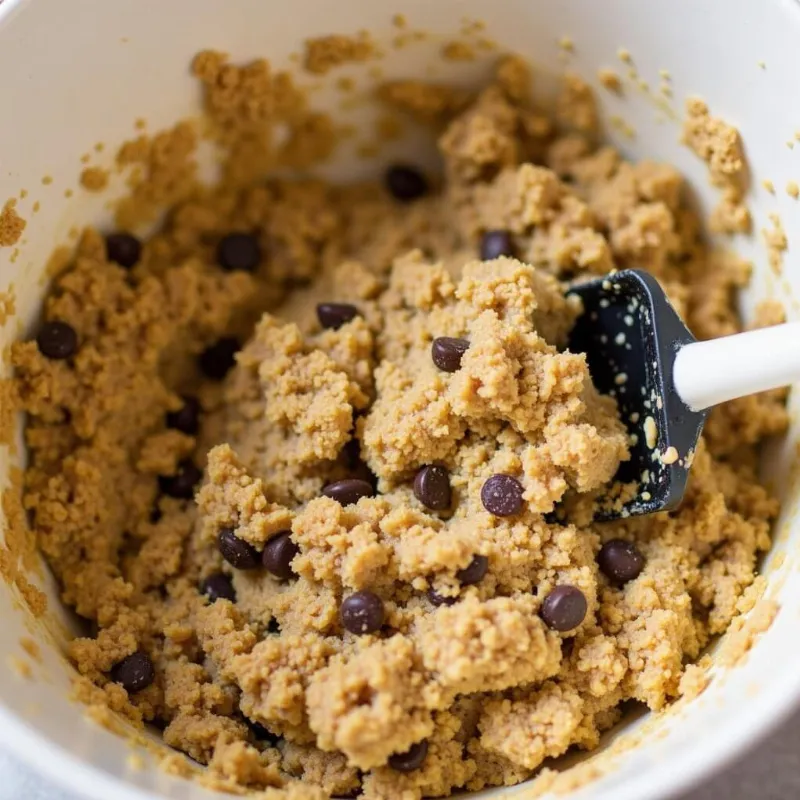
x=492, y=689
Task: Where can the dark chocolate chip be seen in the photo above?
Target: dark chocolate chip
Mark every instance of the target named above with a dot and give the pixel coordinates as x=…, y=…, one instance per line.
x=564, y=608
x=278, y=554
x=412, y=759
x=441, y=599
x=181, y=484
x=123, y=249
x=187, y=418
x=474, y=571
x=447, y=352
x=217, y=360
x=495, y=244
x=501, y=495
x=348, y=490
x=239, y=251
x=134, y=673
x=362, y=612
x=620, y=561
x=218, y=587
x=237, y=552
x=57, y=340
x=406, y=183
x=432, y=487
x=334, y=315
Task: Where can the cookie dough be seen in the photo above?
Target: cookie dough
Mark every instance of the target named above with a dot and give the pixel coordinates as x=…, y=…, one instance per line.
x=317, y=469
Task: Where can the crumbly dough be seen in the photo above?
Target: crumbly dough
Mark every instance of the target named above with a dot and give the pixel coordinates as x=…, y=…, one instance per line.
x=720, y=146
x=327, y=52
x=491, y=688
x=11, y=224
x=95, y=179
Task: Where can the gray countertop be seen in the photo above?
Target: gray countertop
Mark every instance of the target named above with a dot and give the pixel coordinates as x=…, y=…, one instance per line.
x=769, y=772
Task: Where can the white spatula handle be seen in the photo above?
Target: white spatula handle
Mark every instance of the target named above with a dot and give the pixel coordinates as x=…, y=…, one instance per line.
x=708, y=373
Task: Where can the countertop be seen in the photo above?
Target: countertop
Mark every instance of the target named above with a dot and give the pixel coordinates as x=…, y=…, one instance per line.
x=769, y=772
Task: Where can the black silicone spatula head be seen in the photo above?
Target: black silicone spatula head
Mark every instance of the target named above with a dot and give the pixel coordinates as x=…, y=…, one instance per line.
x=631, y=334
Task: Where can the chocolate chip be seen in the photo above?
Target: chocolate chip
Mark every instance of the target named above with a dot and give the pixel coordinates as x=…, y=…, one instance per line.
x=239, y=251
x=333, y=315
x=441, y=599
x=501, y=495
x=134, y=673
x=620, y=561
x=57, y=340
x=412, y=759
x=237, y=552
x=218, y=587
x=406, y=183
x=278, y=554
x=495, y=244
x=474, y=571
x=348, y=490
x=187, y=418
x=564, y=608
x=181, y=484
x=432, y=487
x=447, y=352
x=123, y=249
x=362, y=612
x=217, y=360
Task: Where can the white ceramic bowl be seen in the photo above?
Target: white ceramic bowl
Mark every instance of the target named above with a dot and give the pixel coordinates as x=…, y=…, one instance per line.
x=80, y=72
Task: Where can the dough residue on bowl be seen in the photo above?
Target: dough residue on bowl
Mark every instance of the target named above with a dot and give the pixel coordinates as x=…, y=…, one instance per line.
x=314, y=463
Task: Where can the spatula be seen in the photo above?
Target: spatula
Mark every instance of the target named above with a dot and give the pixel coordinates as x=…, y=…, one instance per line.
x=639, y=351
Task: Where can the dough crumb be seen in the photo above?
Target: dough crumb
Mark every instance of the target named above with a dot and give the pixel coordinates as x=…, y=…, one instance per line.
x=426, y=102
x=694, y=682
x=670, y=455
x=776, y=241
x=458, y=51
x=11, y=224
x=8, y=304
x=324, y=53
x=95, y=179
x=576, y=105
x=719, y=145
x=610, y=80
